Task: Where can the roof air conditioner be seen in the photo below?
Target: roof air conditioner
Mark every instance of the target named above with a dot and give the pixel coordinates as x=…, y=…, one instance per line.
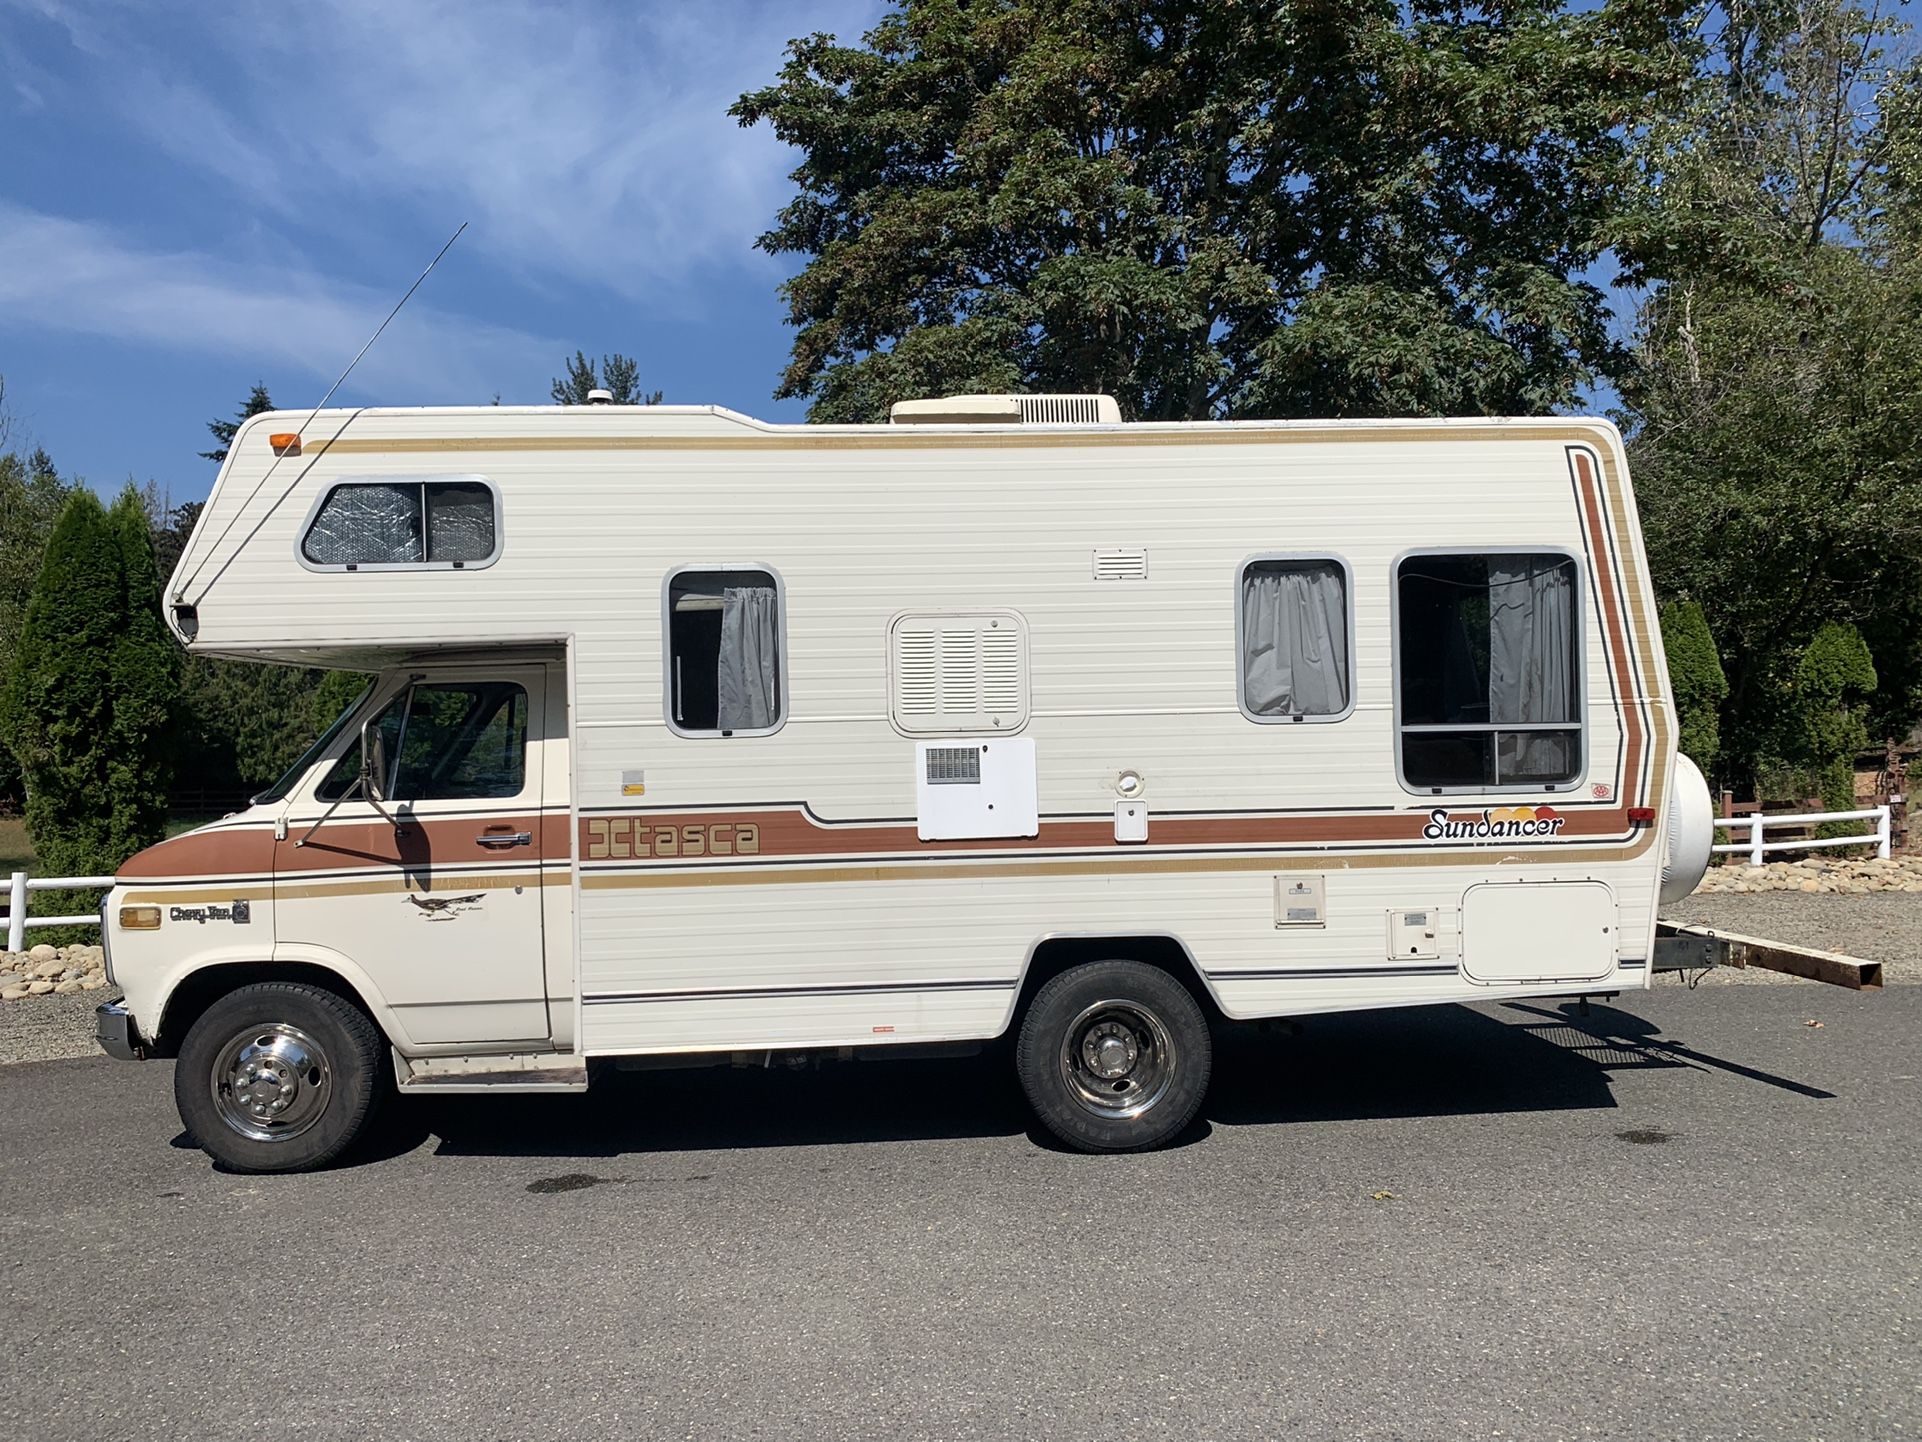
x=1086, y=410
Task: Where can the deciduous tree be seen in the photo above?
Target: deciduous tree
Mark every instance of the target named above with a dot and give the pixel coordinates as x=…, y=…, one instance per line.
x=1266, y=208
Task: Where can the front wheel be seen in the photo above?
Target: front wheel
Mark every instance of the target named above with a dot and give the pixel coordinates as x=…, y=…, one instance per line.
x=278, y=1077
x=1114, y=1056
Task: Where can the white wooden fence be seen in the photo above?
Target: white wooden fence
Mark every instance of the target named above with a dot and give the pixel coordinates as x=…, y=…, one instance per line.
x=1756, y=825
x=19, y=923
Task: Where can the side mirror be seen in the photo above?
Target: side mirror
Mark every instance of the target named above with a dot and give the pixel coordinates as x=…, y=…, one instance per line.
x=373, y=762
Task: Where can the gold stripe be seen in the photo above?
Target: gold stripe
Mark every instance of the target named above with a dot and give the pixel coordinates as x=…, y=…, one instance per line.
x=297, y=891
x=909, y=438
x=1102, y=866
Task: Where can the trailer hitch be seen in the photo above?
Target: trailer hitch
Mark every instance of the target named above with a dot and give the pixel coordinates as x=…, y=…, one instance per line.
x=1697, y=948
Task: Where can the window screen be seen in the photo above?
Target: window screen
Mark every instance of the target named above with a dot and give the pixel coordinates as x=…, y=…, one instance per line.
x=403, y=523
x=449, y=741
x=725, y=632
x=1294, y=640
x=1485, y=652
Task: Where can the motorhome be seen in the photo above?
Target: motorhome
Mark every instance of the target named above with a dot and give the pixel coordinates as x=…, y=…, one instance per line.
x=694, y=737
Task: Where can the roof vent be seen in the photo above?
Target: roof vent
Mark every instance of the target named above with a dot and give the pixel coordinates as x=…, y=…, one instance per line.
x=600, y=398
x=1008, y=410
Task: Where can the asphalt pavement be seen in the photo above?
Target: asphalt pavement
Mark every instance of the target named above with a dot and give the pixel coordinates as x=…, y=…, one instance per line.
x=1687, y=1214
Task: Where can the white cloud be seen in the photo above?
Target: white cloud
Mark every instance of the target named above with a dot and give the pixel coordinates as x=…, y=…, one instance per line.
x=585, y=143
x=64, y=275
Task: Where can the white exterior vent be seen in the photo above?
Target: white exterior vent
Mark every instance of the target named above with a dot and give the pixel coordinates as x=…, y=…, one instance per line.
x=1120, y=563
x=1007, y=410
x=958, y=673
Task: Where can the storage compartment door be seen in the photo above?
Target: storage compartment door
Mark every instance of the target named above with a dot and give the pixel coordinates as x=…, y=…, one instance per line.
x=1525, y=931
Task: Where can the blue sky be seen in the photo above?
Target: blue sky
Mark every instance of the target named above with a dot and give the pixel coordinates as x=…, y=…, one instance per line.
x=197, y=196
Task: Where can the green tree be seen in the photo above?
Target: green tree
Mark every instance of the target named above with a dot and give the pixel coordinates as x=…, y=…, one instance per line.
x=243, y=723
x=1267, y=208
x=224, y=431
x=1695, y=680
x=1777, y=384
x=145, y=677
x=1824, y=728
x=619, y=376
x=31, y=497
x=170, y=538
x=57, y=712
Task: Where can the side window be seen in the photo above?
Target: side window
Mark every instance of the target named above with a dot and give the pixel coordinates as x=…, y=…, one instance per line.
x=725, y=652
x=449, y=741
x=453, y=523
x=1294, y=642
x=1485, y=653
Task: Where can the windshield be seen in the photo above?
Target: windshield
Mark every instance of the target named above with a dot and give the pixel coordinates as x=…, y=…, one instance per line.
x=278, y=791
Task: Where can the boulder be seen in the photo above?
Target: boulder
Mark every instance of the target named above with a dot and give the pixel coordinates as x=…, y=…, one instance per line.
x=39, y=988
x=12, y=978
x=67, y=988
x=13, y=993
x=48, y=970
x=93, y=982
x=42, y=952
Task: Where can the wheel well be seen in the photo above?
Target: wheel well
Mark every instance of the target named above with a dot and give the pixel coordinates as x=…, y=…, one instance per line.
x=201, y=990
x=1061, y=953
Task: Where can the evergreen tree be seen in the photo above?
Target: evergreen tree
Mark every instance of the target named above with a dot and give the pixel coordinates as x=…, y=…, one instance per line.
x=31, y=497
x=146, y=685
x=620, y=377
x=224, y=431
x=1695, y=681
x=56, y=714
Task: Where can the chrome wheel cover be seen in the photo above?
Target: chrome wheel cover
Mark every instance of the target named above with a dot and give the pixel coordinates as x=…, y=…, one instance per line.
x=271, y=1082
x=1117, y=1059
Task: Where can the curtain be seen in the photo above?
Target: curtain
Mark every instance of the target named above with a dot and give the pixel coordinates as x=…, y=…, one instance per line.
x=749, y=680
x=1294, y=640
x=1531, y=634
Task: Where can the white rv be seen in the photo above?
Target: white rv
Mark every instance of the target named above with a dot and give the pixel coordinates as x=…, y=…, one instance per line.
x=697, y=736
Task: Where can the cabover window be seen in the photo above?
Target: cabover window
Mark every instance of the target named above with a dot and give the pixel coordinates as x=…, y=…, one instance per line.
x=1293, y=627
x=449, y=741
x=726, y=630
x=360, y=524
x=1486, y=662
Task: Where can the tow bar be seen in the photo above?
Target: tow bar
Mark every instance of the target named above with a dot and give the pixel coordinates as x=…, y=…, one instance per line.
x=1697, y=948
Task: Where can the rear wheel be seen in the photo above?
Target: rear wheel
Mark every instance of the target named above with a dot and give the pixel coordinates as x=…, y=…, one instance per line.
x=1114, y=1056
x=278, y=1077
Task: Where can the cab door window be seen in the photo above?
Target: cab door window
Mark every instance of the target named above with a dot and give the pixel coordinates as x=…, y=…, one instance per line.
x=447, y=741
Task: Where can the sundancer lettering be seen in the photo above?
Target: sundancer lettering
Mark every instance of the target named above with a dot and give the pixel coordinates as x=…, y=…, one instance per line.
x=1505, y=823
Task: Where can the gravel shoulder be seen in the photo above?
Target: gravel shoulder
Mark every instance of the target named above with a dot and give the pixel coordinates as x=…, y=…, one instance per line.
x=50, y=1028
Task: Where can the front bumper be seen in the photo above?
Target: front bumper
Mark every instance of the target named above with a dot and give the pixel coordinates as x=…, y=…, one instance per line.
x=118, y=1036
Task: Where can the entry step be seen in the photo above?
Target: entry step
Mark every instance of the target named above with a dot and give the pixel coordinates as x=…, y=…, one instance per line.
x=510, y=1072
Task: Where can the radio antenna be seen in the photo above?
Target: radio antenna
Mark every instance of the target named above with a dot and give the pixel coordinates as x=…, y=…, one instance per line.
x=241, y=510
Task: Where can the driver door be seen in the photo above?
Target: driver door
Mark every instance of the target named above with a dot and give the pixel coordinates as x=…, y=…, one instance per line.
x=434, y=891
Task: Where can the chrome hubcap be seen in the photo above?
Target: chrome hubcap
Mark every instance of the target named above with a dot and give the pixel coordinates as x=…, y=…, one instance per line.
x=271, y=1083
x=1117, y=1059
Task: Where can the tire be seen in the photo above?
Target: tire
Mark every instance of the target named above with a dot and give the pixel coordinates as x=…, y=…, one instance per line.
x=1114, y=1056
x=316, y=1061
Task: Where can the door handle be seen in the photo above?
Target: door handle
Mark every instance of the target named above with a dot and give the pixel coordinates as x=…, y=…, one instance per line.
x=500, y=841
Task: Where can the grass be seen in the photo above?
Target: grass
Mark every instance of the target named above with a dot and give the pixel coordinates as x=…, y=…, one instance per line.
x=16, y=851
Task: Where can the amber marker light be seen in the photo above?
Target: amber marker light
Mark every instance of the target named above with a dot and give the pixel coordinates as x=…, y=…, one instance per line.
x=140, y=918
x=285, y=443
